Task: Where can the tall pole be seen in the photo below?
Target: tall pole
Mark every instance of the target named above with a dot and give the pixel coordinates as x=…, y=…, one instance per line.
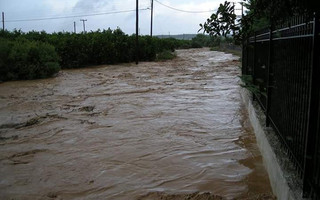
x=137, y=31
x=84, y=25
x=236, y=17
x=243, y=50
x=74, y=27
x=151, y=27
x=309, y=167
x=241, y=9
x=2, y=20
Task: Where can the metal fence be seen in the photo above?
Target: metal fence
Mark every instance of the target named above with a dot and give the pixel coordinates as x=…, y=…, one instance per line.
x=284, y=63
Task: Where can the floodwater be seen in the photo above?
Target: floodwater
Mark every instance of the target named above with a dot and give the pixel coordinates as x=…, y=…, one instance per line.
x=123, y=131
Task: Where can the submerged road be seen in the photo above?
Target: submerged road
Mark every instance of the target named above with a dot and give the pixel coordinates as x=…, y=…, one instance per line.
x=128, y=131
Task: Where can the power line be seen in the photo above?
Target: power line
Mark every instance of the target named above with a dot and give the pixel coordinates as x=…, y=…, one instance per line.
x=73, y=16
x=186, y=11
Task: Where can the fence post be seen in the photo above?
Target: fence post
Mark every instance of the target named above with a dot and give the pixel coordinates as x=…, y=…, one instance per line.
x=313, y=111
x=247, y=55
x=242, y=61
x=254, y=64
x=269, y=79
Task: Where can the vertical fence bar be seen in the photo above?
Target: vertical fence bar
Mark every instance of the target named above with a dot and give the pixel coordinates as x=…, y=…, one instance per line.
x=247, y=54
x=312, y=111
x=254, y=64
x=244, y=68
x=269, y=78
x=254, y=57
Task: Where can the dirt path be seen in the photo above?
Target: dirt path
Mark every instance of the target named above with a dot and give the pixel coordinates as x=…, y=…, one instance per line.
x=129, y=132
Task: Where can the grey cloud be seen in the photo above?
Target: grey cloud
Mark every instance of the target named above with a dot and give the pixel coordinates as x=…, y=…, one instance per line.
x=90, y=5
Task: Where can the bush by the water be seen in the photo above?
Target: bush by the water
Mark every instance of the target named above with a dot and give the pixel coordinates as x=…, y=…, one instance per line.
x=166, y=55
x=99, y=47
x=202, y=40
x=24, y=59
x=39, y=54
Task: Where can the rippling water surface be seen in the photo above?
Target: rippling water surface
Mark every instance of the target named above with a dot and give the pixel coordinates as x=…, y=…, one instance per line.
x=119, y=132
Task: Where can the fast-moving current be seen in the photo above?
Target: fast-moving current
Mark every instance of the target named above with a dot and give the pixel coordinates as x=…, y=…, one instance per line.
x=126, y=131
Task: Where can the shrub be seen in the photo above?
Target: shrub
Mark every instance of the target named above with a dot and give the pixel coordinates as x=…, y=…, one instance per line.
x=23, y=59
x=166, y=55
x=35, y=54
x=196, y=44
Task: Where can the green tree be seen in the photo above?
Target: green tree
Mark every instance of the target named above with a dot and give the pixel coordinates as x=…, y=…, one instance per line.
x=221, y=23
x=259, y=14
x=263, y=13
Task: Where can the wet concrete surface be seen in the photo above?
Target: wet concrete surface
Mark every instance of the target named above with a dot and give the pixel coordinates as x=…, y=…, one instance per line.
x=126, y=131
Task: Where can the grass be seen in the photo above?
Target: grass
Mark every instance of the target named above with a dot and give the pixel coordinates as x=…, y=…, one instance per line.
x=166, y=55
x=248, y=84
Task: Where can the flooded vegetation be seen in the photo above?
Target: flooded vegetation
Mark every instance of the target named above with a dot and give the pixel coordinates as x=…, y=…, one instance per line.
x=131, y=132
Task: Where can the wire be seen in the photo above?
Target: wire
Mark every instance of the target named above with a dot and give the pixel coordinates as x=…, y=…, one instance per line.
x=84, y=15
x=186, y=11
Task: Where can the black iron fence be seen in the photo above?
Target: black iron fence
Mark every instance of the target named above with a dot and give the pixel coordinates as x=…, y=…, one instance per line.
x=284, y=63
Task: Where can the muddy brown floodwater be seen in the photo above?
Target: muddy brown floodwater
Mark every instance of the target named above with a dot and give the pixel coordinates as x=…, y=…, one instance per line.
x=130, y=132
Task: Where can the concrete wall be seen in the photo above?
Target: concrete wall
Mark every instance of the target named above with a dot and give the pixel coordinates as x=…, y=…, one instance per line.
x=285, y=185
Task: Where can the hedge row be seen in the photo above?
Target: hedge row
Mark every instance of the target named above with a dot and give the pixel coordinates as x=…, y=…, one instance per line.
x=22, y=59
x=100, y=47
x=34, y=54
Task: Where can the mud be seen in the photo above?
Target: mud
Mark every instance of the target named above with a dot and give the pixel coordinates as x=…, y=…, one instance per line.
x=160, y=130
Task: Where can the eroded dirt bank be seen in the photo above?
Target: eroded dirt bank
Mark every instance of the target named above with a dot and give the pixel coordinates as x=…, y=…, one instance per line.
x=129, y=132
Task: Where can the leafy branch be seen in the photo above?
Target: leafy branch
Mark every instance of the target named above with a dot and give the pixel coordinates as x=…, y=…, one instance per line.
x=221, y=23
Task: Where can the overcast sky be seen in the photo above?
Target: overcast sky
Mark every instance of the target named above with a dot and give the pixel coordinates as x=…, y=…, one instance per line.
x=166, y=20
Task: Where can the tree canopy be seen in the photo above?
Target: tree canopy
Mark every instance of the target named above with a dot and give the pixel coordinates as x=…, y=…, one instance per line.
x=221, y=23
x=259, y=14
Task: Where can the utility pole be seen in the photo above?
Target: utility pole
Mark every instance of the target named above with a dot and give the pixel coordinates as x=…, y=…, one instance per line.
x=137, y=31
x=241, y=9
x=3, y=21
x=74, y=27
x=151, y=27
x=236, y=17
x=84, y=25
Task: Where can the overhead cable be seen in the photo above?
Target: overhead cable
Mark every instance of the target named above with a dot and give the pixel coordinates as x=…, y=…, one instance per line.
x=73, y=16
x=186, y=11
